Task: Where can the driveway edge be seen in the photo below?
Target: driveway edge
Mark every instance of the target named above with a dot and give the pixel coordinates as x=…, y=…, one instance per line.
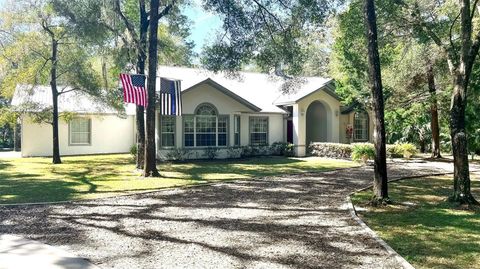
x=405, y=264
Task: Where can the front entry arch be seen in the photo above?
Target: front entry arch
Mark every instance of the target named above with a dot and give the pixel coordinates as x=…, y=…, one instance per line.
x=317, y=121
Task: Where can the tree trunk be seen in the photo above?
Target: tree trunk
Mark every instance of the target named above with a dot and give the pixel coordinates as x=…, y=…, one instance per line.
x=380, y=182
x=434, y=126
x=150, y=148
x=461, y=175
x=141, y=58
x=53, y=85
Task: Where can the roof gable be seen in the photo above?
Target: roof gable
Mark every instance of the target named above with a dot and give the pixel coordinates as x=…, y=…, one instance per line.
x=327, y=86
x=225, y=91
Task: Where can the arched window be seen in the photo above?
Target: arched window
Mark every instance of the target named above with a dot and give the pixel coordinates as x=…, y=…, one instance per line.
x=360, y=126
x=206, y=128
x=206, y=110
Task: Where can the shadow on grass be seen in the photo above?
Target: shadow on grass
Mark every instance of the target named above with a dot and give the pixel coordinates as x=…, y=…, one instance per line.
x=37, y=180
x=424, y=227
x=295, y=222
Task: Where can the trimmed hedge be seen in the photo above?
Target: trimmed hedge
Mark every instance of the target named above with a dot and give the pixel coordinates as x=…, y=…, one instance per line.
x=344, y=151
x=331, y=150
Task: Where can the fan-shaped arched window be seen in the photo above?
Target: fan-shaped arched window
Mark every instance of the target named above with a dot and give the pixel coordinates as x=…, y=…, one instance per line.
x=206, y=110
x=360, y=126
x=206, y=128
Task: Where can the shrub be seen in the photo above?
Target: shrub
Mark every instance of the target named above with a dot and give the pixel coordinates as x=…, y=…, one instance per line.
x=133, y=152
x=250, y=151
x=177, y=154
x=408, y=150
x=211, y=153
x=282, y=149
x=234, y=152
x=363, y=152
x=331, y=150
x=394, y=151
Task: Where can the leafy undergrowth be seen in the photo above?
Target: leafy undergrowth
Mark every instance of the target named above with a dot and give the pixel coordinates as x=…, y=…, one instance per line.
x=423, y=227
x=37, y=180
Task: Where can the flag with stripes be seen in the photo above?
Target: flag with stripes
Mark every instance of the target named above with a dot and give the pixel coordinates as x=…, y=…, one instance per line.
x=170, y=97
x=134, y=90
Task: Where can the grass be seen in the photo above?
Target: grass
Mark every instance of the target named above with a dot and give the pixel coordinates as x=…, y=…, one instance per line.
x=37, y=180
x=423, y=227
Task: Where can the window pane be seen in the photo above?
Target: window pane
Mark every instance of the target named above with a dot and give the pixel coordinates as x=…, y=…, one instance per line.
x=258, y=139
x=167, y=124
x=80, y=131
x=168, y=140
x=206, y=124
x=259, y=131
x=188, y=126
x=206, y=140
x=222, y=139
x=360, y=126
x=237, y=130
x=189, y=140
x=206, y=109
x=222, y=124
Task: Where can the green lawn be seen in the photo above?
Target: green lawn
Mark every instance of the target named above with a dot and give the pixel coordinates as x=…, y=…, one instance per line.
x=425, y=229
x=36, y=180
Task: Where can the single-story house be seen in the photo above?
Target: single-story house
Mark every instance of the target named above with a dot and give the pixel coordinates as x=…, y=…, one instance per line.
x=219, y=112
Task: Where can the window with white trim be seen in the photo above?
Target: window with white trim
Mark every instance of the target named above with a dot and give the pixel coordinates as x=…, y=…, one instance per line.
x=167, y=131
x=236, y=131
x=80, y=131
x=206, y=128
x=360, y=126
x=258, y=131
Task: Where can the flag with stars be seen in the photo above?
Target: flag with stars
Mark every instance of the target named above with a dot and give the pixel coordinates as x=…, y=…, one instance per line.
x=134, y=90
x=170, y=97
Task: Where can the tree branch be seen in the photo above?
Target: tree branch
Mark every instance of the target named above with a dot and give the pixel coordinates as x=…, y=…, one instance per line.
x=165, y=11
x=128, y=24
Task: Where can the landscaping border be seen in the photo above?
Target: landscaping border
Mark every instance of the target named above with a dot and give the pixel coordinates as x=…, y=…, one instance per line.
x=405, y=264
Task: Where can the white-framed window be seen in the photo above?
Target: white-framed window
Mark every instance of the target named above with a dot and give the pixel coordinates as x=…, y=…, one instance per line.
x=80, y=131
x=360, y=126
x=258, y=131
x=236, y=131
x=206, y=128
x=167, y=131
x=189, y=130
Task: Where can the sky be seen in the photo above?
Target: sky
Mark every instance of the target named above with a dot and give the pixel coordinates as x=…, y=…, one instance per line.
x=204, y=25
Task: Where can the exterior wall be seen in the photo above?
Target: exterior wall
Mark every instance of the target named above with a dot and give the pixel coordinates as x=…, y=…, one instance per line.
x=346, y=119
x=225, y=105
x=299, y=116
x=109, y=134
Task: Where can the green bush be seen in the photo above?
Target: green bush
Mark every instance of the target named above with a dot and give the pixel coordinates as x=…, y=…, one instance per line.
x=408, y=150
x=178, y=154
x=133, y=152
x=282, y=149
x=211, y=153
x=394, y=151
x=363, y=152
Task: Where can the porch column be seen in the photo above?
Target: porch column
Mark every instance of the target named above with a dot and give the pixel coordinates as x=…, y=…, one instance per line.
x=298, y=121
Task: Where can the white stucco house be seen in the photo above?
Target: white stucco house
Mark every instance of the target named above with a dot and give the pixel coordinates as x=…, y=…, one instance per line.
x=218, y=112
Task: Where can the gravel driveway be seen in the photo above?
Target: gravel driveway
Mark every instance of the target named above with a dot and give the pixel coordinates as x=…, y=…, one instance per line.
x=283, y=222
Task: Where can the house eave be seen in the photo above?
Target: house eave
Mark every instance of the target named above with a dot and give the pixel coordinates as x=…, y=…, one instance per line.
x=225, y=91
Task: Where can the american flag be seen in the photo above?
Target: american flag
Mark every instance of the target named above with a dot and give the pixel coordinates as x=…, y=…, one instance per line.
x=134, y=89
x=170, y=97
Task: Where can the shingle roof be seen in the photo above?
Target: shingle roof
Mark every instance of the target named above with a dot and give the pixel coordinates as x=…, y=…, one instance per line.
x=36, y=98
x=258, y=91
x=262, y=90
